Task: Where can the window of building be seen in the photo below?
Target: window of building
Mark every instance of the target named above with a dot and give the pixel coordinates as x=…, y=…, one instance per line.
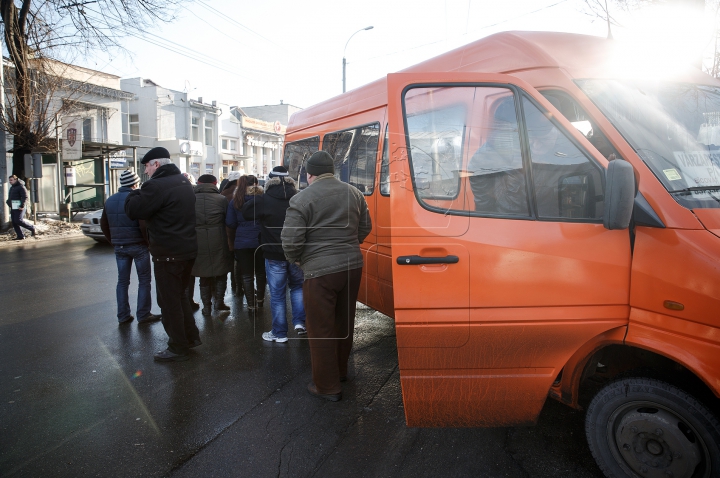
x=87, y=129
x=209, y=132
x=134, y=128
x=224, y=143
x=209, y=168
x=296, y=153
x=195, y=128
x=232, y=145
x=354, y=153
x=195, y=169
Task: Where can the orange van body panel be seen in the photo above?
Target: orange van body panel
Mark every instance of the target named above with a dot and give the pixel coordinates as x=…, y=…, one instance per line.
x=567, y=391
x=680, y=266
x=694, y=346
x=481, y=341
x=710, y=218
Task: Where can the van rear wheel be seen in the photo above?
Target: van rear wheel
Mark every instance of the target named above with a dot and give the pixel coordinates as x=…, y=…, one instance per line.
x=640, y=427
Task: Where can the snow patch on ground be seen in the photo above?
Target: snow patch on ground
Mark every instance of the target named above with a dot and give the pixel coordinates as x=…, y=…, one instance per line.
x=46, y=229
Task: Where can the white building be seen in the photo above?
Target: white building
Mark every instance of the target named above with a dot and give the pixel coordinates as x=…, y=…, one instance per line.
x=263, y=135
x=187, y=128
x=91, y=100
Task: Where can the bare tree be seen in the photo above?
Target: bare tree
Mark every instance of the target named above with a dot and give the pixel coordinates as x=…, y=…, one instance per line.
x=41, y=38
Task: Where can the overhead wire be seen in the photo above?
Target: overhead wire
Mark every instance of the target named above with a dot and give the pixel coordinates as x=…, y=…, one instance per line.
x=232, y=20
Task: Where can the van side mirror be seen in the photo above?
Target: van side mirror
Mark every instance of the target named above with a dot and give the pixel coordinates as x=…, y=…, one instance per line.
x=619, y=195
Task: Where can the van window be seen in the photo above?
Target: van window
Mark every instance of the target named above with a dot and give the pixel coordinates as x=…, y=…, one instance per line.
x=464, y=149
x=566, y=182
x=296, y=153
x=577, y=116
x=354, y=153
x=673, y=127
x=385, y=167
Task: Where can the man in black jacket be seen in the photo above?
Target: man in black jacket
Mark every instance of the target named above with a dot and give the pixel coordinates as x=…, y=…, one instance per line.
x=167, y=204
x=17, y=200
x=270, y=208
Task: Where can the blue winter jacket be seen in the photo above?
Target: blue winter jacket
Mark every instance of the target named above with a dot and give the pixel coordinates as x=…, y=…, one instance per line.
x=123, y=230
x=247, y=233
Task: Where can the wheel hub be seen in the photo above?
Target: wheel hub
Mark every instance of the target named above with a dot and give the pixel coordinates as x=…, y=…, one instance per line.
x=656, y=443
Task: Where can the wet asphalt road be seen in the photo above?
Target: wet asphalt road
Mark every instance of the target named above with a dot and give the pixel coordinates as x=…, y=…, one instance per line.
x=80, y=396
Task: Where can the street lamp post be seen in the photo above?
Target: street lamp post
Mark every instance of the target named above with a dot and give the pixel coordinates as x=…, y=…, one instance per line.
x=346, y=44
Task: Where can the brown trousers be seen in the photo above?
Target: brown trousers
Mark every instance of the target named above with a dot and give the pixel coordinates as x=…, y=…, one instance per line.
x=330, y=310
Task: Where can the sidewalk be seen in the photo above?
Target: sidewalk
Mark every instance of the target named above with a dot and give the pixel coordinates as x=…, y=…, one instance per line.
x=48, y=228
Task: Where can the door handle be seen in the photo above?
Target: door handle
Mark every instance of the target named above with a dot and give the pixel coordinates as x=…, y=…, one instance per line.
x=419, y=260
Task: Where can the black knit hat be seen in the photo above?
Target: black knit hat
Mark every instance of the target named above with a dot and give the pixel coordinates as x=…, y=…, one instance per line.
x=207, y=178
x=320, y=163
x=155, y=153
x=278, y=171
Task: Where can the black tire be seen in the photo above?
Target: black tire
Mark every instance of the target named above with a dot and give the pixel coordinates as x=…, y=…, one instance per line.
x=645, y=428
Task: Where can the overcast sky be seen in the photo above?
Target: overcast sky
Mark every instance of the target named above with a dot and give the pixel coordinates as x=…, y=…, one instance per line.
x=260, y=52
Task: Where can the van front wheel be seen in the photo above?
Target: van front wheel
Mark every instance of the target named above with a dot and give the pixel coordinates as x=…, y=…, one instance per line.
x=640, y=427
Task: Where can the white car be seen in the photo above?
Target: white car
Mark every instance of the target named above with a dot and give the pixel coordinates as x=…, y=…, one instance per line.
x=91, y=226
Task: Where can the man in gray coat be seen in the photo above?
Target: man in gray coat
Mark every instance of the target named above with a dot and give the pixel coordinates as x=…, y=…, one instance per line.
x=324, y=227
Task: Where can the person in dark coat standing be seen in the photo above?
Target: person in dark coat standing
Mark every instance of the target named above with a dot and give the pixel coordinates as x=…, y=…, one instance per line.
x=244, y=236
x=167, y=204
x=17, y=200
x=130, y=245
x=213, y=260
x=270, y=209
x=227, y=189
x=324, y=227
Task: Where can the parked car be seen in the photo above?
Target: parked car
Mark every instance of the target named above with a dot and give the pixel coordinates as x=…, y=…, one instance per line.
x=91, y=226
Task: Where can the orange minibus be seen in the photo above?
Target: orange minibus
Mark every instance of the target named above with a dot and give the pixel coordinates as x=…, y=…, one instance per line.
x=545, y=223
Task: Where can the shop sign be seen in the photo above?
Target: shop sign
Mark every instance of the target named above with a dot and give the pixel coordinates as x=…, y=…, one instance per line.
x=260, y=125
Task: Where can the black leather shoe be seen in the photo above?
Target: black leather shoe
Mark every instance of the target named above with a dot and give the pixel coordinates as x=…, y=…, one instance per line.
x=195, y=343
x=194, y=305
x=129, y=319
x=149, y=318
x=168, y=356
x=18, y=239
x=333, y=397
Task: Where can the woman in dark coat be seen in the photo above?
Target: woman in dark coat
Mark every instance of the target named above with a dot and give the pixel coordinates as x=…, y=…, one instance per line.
x=246, y=241
x=228, y=189
x=213, y=260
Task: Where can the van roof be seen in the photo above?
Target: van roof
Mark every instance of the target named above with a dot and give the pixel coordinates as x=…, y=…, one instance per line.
x=583, y=56
x=499, y=53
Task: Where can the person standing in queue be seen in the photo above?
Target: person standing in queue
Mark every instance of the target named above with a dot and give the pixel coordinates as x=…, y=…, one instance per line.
x=191, y=284
x=213, y=260
x=227, y=189
x=128, y=238
x=244, y=236
x=167, y=204
x=324, y=227
x=270, y=209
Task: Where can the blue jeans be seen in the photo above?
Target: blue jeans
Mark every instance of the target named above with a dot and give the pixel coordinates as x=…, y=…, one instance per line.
x=279, y=275
x=125, y=255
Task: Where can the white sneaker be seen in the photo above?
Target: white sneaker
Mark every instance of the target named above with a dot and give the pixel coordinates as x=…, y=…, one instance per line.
x=270, y=337
x=300, y=329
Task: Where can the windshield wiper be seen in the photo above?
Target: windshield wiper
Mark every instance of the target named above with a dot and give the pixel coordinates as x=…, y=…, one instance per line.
x=697, y=188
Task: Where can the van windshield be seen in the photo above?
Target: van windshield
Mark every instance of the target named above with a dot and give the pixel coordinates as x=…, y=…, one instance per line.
x=674, y=128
